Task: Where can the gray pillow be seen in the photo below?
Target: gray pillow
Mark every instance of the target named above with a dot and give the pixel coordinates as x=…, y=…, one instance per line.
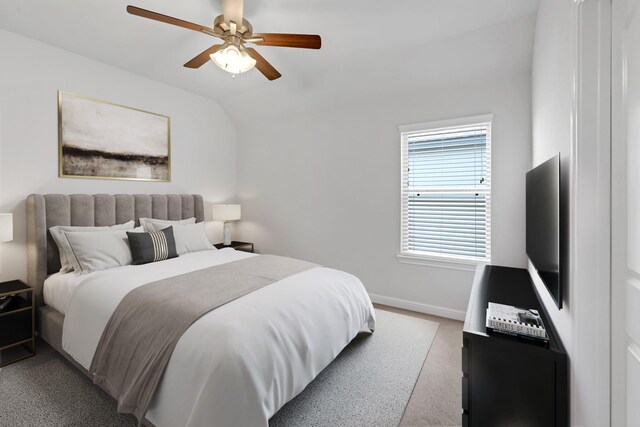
x=66, y=256
x=189, y=237
x=148, y=222
x=93, y=251
x=153, y=246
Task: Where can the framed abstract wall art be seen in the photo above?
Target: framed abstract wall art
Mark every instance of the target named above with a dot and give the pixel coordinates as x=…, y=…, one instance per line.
x=102, y=140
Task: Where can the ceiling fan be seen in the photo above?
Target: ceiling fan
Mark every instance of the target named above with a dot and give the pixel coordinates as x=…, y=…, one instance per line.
x=235, y=31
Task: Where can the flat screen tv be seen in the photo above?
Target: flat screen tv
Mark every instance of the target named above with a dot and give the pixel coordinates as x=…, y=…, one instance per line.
x=543, y=224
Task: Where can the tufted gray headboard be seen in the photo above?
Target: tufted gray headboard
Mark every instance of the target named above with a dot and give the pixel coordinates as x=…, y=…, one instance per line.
x=44, y=211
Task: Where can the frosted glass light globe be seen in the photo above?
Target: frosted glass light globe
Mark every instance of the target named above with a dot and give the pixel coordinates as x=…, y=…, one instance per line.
x=233, y=59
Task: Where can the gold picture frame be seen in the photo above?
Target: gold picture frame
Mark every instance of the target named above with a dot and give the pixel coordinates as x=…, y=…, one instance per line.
x=104, y=140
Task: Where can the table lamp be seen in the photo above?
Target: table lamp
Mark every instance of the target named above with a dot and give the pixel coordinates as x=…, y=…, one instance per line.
x=226, y=213
x=6, y=235
x=6, y=227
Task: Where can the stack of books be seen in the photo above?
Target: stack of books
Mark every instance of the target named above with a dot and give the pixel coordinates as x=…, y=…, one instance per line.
x=525, y=324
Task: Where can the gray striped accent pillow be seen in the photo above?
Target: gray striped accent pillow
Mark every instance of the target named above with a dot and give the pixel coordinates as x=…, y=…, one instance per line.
x=153, y=246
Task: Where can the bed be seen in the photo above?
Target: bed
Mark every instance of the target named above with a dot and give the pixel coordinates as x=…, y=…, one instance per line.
x=236, y=365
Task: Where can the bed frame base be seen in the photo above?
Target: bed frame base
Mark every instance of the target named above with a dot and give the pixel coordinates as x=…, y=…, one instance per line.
x=49, y=326
x=43, y=258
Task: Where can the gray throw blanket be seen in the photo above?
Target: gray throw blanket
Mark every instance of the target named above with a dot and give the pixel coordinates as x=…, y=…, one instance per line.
x=138, y=341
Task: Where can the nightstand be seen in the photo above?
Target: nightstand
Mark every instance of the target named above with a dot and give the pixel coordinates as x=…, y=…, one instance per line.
x=17, y=322
x=239, y=246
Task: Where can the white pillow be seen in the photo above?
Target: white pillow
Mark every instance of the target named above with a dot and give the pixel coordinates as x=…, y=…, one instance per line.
x=147, y=222
x=66, y=256
x=189, y=237
x=101, y=250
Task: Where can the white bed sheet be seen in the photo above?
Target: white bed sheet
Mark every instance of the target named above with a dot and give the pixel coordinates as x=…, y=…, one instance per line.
x=240, y=363
x=60, y=287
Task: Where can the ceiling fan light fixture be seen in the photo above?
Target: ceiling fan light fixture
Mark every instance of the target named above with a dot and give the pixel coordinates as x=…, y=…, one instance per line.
x=235, y=32
x=233, y=59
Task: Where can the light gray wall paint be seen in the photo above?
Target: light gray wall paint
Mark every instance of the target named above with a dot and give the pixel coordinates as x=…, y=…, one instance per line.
x=551, y=110
x=203, y=148
x=571, y=107
x=325, y=187
x=552, y=99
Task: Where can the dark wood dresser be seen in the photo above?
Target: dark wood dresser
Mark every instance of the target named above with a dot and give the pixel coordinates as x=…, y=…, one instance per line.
x=507, y=382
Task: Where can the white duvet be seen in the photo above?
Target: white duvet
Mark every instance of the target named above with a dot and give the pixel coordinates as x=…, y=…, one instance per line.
x=240, y=363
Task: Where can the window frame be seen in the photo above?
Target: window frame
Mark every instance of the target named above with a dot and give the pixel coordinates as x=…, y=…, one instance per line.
x=445, y=260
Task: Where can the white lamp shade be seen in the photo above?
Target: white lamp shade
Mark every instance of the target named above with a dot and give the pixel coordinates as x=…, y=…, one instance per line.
x=226, y=212
x=6, y=227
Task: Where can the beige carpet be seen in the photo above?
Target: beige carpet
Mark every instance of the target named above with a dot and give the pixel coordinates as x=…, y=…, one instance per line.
x=370, y=382
x=436, y=398
x=369, y=385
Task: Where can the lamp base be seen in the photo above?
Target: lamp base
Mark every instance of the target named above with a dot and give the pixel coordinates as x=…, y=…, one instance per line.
x=227, y=233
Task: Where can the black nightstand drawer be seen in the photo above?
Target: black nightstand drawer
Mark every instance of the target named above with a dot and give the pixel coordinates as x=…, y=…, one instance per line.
x=17, y=340
x=16, y=327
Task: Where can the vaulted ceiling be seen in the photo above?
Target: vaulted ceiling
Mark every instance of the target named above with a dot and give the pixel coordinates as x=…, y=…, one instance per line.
x=369, y=47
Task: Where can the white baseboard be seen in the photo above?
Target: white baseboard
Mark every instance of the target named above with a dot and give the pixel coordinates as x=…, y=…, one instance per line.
x=419, y=307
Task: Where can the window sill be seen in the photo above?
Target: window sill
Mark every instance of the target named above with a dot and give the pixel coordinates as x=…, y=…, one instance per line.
x=450, y=263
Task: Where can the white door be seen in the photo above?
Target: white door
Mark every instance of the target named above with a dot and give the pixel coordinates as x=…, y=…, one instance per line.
x=625, y=310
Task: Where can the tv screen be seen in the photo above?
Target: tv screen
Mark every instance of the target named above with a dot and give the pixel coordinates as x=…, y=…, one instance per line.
x=543, y=224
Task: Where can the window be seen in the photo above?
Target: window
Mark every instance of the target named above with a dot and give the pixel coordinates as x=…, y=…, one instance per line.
x=446, y=190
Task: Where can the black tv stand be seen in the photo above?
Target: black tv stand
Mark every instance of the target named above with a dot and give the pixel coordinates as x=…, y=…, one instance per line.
x=507, y=382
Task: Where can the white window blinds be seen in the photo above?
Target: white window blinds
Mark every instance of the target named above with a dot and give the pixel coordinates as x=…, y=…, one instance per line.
x=446, y=191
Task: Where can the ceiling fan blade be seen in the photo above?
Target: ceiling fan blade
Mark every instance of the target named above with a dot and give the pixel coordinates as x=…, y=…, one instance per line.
x=232, y=11
x=305, y=41
x=168, y=19
x=263, y=65
x=203, y=57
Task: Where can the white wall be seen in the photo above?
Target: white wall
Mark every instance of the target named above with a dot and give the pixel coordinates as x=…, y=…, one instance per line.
x=203, y=147
x=326, y=186
x=552, y=100
x=570, y=115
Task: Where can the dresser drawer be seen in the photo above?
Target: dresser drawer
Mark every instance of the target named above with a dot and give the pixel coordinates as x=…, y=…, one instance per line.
x=465, y=361
x=465, y=393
